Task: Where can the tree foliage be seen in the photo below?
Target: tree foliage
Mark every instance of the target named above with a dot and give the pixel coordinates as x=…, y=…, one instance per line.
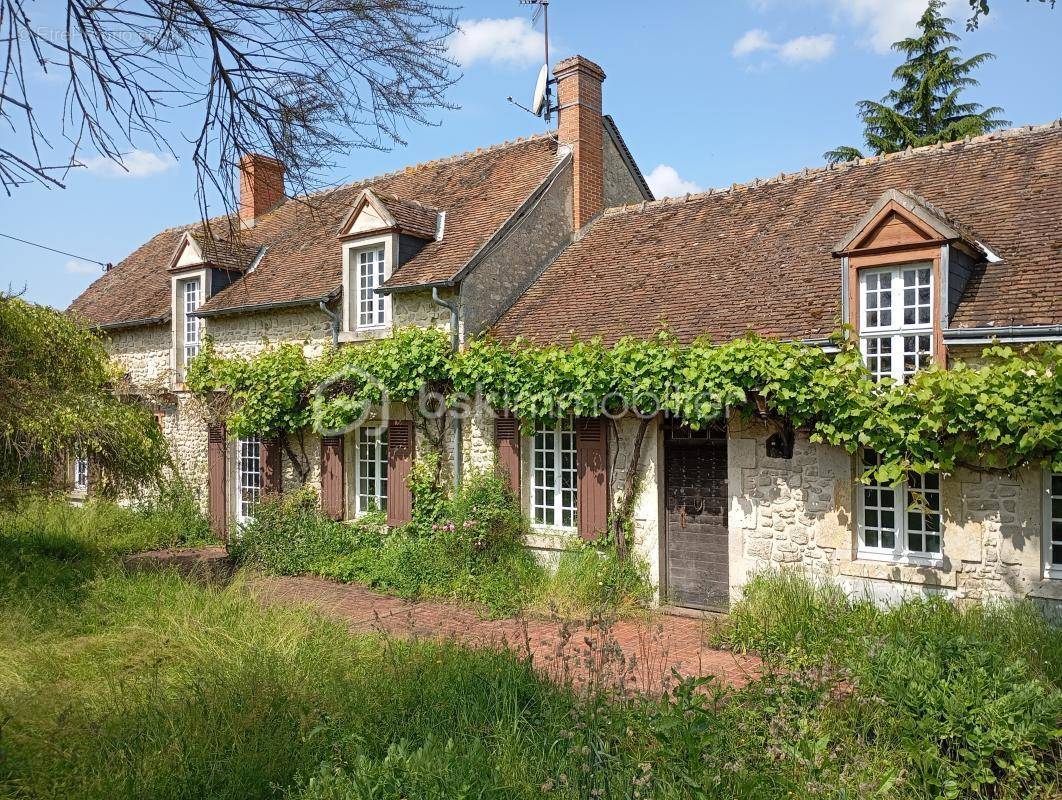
x=299, y=81
x=926, y=107
x=980, y=9
x=1002, y=415
x=57, y=399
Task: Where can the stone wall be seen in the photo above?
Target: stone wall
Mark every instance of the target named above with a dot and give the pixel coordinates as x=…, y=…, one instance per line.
x=513, y=264
x=418, y=308
x=248, y=334
x=801, y=512
x=621, y=187
x=144, y=353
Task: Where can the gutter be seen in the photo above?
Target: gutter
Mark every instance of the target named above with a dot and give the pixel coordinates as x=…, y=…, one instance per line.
x=132, y=323
x=455, y=345
x=308, y=301
x=1011, y=333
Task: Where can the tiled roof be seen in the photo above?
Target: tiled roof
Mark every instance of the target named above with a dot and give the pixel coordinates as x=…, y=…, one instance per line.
x=478, y=191
x=757, y=257
x=413, y=218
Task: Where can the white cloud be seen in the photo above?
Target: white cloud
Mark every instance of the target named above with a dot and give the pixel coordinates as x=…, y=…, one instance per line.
x=82, y=268
x=798, y=50
x=665, y=181
x=138, y=164
x=498, y=41
x=888, y=21
x=807, y=48
x=751, y=42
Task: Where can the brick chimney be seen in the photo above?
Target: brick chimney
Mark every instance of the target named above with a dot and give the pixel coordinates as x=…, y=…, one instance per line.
x=261, y=187
x=579, y=102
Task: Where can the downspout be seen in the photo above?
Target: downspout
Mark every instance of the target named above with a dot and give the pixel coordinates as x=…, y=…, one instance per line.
x=333, y=323
x=455, y=345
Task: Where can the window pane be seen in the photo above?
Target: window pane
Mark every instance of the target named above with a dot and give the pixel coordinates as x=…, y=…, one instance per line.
x=371, y=274
x=248, y=476
x=554, y=478
x=372, y=469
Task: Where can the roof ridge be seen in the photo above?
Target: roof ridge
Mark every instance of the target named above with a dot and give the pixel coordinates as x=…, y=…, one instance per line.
x=811, y=172
x=451, y=159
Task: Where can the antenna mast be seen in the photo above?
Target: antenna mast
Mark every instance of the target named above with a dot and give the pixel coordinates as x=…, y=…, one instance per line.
x=542, y=9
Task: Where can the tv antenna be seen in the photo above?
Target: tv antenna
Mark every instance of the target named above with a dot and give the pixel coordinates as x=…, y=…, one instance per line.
x=542, y=99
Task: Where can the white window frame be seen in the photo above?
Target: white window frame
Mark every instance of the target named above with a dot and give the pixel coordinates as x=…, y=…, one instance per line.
x=192, y=327
x=904, y=502
x=554, y=462
x=181, y=320
x=352, y=290
x=897, y=333
x=248, y=454
x=81, y=473
x=370, y=451
x=1052, y=569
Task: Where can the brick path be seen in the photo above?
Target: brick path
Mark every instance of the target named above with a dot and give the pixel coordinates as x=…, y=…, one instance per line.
x=630, y=654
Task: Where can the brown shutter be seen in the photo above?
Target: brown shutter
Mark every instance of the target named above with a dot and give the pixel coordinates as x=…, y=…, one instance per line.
x=272, y=480
x=399, y=463
x=216, y=493
x=591, y=449
x=332, y=476
x=507, y=440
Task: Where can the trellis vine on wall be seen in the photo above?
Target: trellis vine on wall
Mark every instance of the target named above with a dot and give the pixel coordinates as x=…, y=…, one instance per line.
x=1002, y=415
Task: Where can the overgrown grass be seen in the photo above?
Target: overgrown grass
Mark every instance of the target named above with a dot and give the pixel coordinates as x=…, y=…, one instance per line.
x=591, y=578
x=116, y=685
x=171, y=519
x=983, y=683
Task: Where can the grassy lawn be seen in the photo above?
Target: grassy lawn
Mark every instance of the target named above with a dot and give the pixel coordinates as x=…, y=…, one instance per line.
x=142, y=685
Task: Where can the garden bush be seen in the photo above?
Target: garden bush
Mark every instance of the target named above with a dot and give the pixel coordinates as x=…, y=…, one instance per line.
x=469, y=549
x=969, y=699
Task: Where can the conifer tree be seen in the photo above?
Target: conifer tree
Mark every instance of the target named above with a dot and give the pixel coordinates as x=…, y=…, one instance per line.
x=926, y=107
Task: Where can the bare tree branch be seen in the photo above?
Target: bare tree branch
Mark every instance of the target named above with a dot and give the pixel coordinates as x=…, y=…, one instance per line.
x=298, y=80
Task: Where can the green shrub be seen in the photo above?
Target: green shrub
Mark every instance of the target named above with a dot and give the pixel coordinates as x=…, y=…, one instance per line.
x=968, y=699
x=290, y=536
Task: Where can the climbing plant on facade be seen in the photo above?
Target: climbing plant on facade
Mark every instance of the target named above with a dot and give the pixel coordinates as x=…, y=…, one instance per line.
x=1002, y=415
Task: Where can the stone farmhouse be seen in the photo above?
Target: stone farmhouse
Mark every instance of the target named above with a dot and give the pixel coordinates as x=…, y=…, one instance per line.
x=929, y=254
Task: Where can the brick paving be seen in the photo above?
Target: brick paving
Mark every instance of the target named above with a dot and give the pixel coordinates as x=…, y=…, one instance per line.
x=633, y=654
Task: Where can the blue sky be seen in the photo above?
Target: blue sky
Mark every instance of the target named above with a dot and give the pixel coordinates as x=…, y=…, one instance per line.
x=705, y=93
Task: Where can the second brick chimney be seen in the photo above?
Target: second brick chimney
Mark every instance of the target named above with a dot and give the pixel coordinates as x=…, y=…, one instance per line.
x=580, y=126
x=261, y=186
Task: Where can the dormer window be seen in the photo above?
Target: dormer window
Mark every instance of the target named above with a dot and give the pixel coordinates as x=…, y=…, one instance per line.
x=372, y=271
x=896, y=322
x=379, y=235
x=192, y=291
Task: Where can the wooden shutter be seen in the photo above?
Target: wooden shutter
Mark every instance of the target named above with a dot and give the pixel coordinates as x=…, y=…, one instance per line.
x=591, y=448
x=216, y=492
x=399, y=463
x=332, y=489
x=507, y=441
x=272, y=479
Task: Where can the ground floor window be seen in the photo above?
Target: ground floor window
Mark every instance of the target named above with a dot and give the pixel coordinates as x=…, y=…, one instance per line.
x=248, y=476
x=900, y=522
x=554, y=484
x=81, y=474
x=372, y=469
x=1053, y=525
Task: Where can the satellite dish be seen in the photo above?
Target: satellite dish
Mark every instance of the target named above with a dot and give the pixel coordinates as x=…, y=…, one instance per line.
x=540, y=91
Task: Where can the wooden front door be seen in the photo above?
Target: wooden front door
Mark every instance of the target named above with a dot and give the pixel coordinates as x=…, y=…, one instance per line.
x=696, y=535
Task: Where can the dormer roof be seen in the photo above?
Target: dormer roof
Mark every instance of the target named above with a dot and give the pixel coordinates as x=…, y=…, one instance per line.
x=374, y=211
x=903, y=217
x=197, y=249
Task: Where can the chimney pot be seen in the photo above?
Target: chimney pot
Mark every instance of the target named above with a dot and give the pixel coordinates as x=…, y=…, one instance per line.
x=580, y=126
x=261, y=187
